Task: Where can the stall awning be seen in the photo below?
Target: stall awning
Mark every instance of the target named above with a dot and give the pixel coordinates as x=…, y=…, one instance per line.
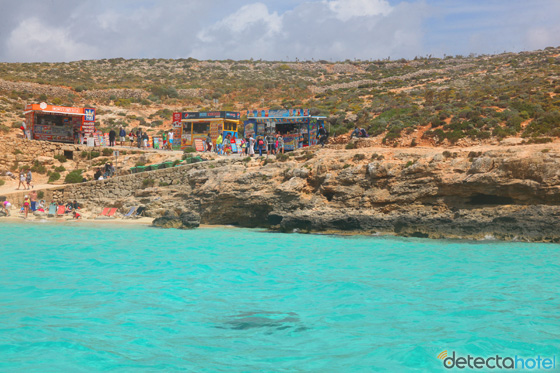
x=51, y=112
x=211, y=120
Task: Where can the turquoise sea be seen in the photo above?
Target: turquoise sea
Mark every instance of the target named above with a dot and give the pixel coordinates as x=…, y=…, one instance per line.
x=79, y=298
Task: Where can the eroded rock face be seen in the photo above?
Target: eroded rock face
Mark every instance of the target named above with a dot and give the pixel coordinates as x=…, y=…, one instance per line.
x=507, y=194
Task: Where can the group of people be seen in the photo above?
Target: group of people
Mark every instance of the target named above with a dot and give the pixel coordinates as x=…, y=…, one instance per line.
x=270, y=144
x=30, y=205
x=359, y=132
x=141, y=137
x=108, y=171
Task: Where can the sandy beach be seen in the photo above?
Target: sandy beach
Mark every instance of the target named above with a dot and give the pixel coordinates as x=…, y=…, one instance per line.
x=19, y=218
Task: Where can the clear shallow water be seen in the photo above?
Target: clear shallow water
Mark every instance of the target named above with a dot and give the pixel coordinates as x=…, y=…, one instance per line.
x=82, y=298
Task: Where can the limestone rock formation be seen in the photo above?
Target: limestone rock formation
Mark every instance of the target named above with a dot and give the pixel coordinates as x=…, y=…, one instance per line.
x=506, y=193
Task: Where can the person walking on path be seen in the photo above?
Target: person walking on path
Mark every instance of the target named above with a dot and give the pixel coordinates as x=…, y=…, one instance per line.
x=21, y=180
x=122, y=135
x=33, y=200
x=28, y=179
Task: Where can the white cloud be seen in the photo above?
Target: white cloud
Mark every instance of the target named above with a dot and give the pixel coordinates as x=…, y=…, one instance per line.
x=337, y=29
x=347, y=9
x=243, y=19
x=33, y=40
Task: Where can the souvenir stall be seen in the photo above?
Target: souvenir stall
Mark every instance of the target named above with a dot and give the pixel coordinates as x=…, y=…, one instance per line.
x=189, y=126
x=60, y=123
x=297, y=127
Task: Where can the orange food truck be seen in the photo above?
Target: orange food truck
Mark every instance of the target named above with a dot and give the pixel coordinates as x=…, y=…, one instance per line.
x=59, y=123
x=189, y=126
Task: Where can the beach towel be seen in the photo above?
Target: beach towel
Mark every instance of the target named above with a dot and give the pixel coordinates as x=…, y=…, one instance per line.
x=52, y=209
x=105, y=211
x=112, y=211
x=60, y=210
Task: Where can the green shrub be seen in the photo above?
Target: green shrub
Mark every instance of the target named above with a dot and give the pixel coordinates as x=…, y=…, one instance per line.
x=54, y=177
x=358, y=157
x=2, y=182
x=38, y=168
x=163, y=184
x=60, y=169
x=189, y=149
x=107, y=152
x=17, y=151
x=280, y=157
x=74, y=177
x=40, y=194
x=140, y=163
x=61, y=158
x=350, y=145
x=148, y=183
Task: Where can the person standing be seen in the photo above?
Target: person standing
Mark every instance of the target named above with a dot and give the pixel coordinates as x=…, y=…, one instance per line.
x=145, y=139
x=270, y=148
x=251, y=146
x=219, y=141
x=33, y=200
x=260, y=145
x=139, y=138
x=26, y=204
x=122, y=135
x=28, y=179
x=322, y=136
x=280, y=142
x=170, y=139
x=112, y=136
x=208, y=143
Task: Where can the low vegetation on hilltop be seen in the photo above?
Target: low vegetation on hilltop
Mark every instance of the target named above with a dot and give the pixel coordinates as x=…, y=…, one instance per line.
x=479, y=98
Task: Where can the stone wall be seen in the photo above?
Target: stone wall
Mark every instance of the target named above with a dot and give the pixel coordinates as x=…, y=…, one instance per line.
x=31, y=151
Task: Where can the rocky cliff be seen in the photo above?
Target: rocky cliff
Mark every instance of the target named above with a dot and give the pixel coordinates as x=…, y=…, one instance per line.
x=506, y=193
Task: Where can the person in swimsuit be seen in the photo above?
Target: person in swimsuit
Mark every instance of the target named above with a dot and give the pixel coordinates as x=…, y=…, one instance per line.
x=26, y=205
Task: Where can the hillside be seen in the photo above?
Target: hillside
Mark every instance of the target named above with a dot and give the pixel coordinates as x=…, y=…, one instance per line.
x=425, y=101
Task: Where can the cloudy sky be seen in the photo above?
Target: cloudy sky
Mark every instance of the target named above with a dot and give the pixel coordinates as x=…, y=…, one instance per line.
x=69, y=30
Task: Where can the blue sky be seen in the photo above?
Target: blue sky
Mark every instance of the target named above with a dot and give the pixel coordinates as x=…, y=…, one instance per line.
x=67, y=30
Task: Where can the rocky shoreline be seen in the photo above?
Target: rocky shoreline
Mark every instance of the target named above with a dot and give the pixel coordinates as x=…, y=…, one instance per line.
x=508, y=193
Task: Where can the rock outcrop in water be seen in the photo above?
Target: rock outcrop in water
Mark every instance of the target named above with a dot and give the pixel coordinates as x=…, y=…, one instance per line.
x=186, y=220
x=506, y=193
